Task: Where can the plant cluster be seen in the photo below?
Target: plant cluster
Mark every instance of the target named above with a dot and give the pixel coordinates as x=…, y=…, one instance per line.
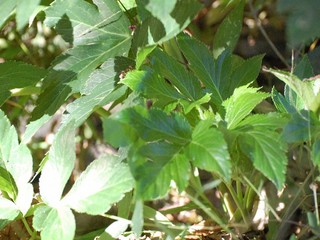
x=170, y=106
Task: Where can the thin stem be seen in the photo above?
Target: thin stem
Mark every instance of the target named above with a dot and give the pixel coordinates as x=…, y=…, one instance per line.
x=266, y=36
x=29, y=230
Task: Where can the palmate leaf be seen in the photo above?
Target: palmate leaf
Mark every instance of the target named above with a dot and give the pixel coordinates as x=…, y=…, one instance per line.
x=59, y=165
x=103, y=183
x=18, y=75
x=154, y=124
x=203, y=65
x=96, y=32
x=54, y=223
x=267, y=152
x=169, y=68
x=208, y=150
x=241, y=103
x=150, y=84
x=153, y=166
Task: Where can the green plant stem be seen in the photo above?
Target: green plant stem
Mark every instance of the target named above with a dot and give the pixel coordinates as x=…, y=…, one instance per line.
x=238, y=204
x=33, y=234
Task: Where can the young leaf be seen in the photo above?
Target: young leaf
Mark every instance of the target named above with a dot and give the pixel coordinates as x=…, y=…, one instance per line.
x=54, y=223
x=208, y=150
x=152, y=85
x=155, y=124
x=229, y=31
x=97, y=33
x=103, y=183
x=18, y=75
x=267, y=152
x=8, y=210
x=241, y=103
x=59, y=165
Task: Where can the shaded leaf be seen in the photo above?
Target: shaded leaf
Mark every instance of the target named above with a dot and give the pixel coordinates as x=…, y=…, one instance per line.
x=302, y=126
x=59, y=165
x=102, y=184
x=281, y=103
x=208, y=150
x=202, y=64
x=18, y=75
x=163, y=20
x=268, y=121
x=267, y=152
x=229, y=30
x=54, y=223
x=148, y=163
x=156, y=125
x=302, y=20
x=315, y=154
x=170, y=69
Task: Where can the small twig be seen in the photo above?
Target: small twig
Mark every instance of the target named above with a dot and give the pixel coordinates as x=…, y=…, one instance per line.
x=266, y=36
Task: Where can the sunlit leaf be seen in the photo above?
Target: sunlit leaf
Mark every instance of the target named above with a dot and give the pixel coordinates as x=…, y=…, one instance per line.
x=241, y=103
x=103, y=183
x=8, y=210
x=54, y=223
x=59, y=165
x=208, y=150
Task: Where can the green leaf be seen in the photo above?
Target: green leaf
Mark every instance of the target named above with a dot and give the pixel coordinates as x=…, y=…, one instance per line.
x=58, y=168
x=16, y=159
x=267, y=152
x=163, y=20
x=152, y=85
x=177, y=74
x=303, y=126
x=142, y=54
x=137, y=218
x=208, y=150
x=203, y=65
x=304, y=68
x=114, y=230
x=24, y=10
x=97, y=33
x=102, y=184
x=6, y=9
x=54, y=223
x=8, y=210
x=281, y=103
x=147, y=164
x=18, y=75
x=241, y=103
x=99, y=90
x=7, y=183
x=155, y=124
x=315, y=154
x=302, y=20
x=270, y=121
x=118, y=134
x=244, y=73
x=229, y=30
x=303, y=89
